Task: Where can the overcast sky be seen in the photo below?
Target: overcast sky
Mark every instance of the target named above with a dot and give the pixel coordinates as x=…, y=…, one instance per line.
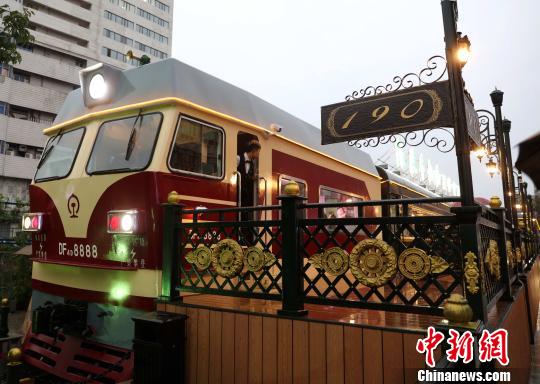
x=302, y=54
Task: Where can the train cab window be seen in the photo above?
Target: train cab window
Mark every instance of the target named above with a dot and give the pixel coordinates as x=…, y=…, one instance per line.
x=125, y=145
x=329, y=195
x=197, y=149
x=59, y=154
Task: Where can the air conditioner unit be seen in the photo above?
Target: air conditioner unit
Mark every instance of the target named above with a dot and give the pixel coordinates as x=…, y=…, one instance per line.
x=23, y=148
x=29, y=155
x=10, y=153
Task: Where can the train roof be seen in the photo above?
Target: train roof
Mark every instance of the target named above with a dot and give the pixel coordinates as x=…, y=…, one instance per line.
x=172, y=78
x=395, y=178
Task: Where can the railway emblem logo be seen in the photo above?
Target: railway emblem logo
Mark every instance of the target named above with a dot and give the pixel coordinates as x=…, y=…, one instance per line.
x=73, y=205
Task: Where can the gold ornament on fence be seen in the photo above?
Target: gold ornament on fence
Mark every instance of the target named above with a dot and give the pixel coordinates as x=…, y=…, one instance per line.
x=335, y=261
x=373, y=262
x=414, y=263
x=471, y=273
x=492, y=259
x=438, y=264
x=256, y=259
x=510, y=253
x=227, y=258
x=518, y=255
x=201, y=257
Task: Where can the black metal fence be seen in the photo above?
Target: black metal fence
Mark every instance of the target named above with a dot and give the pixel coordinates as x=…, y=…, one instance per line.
x=300, y=253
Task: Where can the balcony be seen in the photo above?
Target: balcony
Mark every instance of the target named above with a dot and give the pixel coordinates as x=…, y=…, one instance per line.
x=30, y=96
x=22, y=131
x=48, y=67
x=17, y=167
x=70, y=9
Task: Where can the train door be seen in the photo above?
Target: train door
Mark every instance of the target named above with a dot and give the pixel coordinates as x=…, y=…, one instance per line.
x=247, y=163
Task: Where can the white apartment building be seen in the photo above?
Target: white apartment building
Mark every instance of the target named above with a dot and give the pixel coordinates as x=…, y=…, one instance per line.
x=69, y=35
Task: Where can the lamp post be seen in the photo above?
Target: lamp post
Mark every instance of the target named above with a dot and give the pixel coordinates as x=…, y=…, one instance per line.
x=506, y=125
x=457, y=53
x=497, y=100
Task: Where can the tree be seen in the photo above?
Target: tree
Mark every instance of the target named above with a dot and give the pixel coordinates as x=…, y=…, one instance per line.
x=14, y=31
x=144, y=60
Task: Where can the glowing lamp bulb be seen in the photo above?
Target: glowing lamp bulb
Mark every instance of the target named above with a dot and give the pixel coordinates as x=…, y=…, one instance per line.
x=98, y=87
x=119, y=292
x=27, y=223
x=114, y=223
x=463, y=54
x=127, y=223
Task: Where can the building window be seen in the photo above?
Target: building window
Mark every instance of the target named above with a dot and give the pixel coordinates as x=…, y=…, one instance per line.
x=329, y=195
x=154, y=52
x=198, y=149
x=3, y=108
x=124, y=5
x=158, y=4
x=118, y=56
x=21, y=76
x=117, y=37
x=119, y=20
x=153, y=18
x=152, y=34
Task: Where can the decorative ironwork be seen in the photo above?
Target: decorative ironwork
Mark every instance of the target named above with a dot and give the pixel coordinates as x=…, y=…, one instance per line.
x=487, y=132
x=414, y=263
x=510, y=253
x=373, y=262
x=227, y=258
x=471, y=273
x=518, y=255
x=427, y=75
x=200, y=257
x=335, y=261
x=427, y=137
x=492, y=259
x=438, y=264
x=255, y=259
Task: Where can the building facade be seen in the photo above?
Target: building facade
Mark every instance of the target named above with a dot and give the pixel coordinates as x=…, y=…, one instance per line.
x=69, y=35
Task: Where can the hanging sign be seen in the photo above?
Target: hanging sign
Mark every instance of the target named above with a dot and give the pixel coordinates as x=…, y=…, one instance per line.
x=473, y=124
x=412, y=109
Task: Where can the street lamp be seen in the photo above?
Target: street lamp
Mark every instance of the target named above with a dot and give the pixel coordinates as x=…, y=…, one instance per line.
x=480, y=152
x=492, y=167
x=463, y=49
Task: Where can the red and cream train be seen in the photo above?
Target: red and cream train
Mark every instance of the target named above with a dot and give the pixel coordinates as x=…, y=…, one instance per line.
x=120, y=144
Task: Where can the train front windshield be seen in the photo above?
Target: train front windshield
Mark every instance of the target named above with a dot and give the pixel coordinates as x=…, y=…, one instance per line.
x=125, y=145
x=59, y=155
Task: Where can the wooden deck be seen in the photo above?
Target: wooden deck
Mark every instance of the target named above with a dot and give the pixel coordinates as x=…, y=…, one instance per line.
x=235, y=340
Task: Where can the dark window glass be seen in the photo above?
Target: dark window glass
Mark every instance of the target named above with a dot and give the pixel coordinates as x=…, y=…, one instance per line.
x=59, y=154
x=198, y=148
x=124, y=145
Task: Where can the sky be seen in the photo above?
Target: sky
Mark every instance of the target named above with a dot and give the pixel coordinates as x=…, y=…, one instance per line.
x=300, y=55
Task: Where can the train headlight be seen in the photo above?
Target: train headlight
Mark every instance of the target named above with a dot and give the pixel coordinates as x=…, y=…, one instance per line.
x=127, y=222
x=99, y=84
x=32, y=222
x=98, y=87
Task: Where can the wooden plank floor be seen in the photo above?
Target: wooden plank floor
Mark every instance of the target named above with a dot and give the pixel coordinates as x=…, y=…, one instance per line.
x=326, y=313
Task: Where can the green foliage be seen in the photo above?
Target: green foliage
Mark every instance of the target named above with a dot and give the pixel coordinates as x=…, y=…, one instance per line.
x=15, y=275
x=15, y=31
x=144, y=60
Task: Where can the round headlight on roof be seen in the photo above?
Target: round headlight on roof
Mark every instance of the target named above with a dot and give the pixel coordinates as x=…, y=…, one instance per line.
x=98, y=87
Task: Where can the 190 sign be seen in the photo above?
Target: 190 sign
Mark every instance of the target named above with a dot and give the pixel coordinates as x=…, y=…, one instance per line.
x=413, y=109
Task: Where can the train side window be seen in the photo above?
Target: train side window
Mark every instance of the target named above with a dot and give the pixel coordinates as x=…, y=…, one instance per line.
x=197, y=149
x=125, y=145
x=59, y=155
x=330, y=195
